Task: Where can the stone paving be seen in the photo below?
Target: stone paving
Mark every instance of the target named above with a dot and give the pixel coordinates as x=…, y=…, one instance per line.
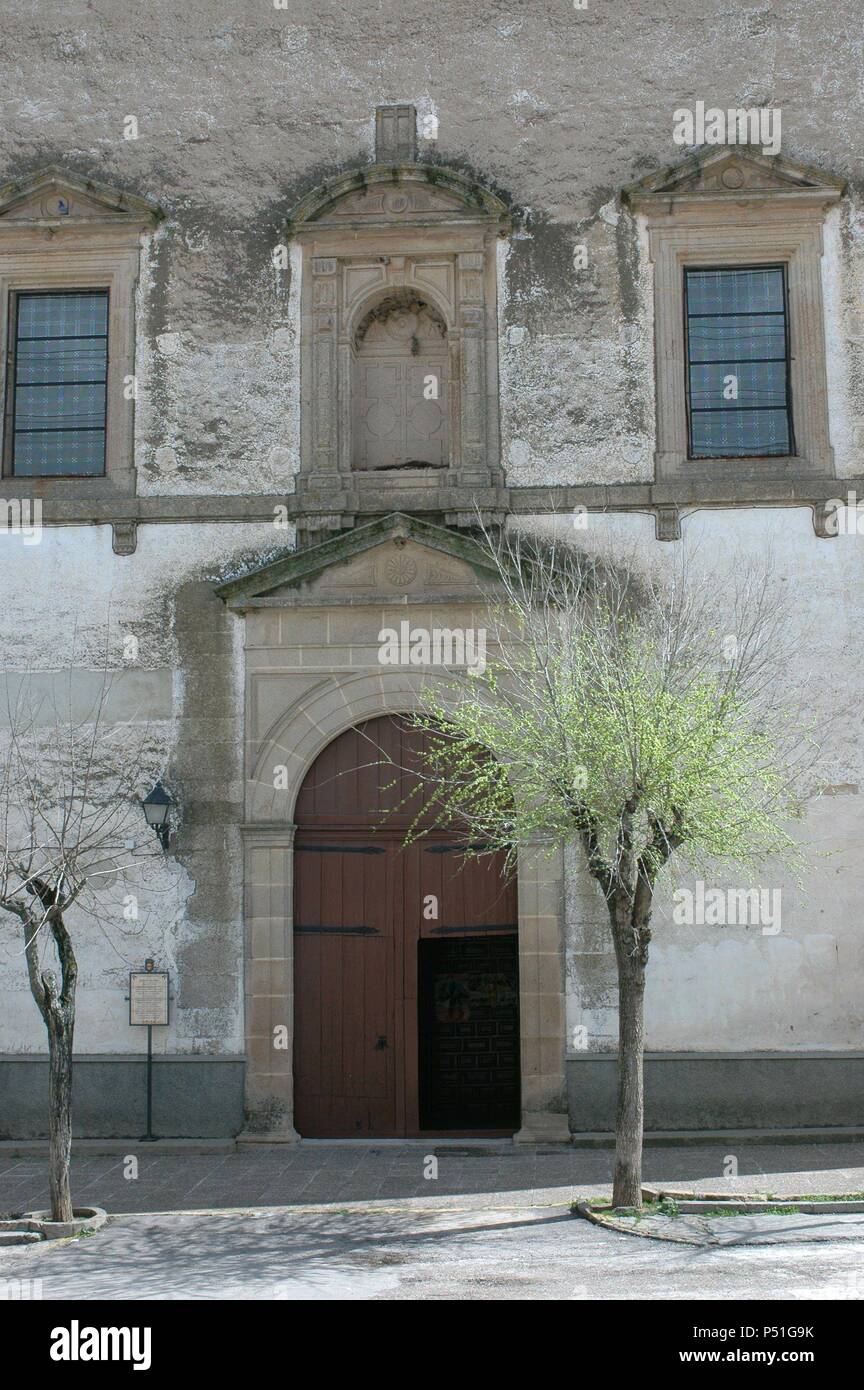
x=318, y=1174
x=345, y=1222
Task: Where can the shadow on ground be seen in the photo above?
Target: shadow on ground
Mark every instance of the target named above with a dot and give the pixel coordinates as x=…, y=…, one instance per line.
x=317, y=1175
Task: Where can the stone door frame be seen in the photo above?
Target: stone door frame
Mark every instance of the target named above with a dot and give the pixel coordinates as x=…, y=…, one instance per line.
x=312, y=721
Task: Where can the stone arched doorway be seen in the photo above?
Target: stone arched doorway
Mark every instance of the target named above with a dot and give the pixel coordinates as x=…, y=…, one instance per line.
x=313, y=625
x=406, y=976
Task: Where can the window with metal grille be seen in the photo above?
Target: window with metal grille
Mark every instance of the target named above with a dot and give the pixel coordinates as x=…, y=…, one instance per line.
x=57, y=369
x=738, y=395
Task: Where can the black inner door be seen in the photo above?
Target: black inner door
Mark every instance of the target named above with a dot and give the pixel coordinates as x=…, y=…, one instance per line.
x=468, y=1007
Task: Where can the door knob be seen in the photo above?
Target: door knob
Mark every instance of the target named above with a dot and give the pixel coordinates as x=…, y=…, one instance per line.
x=381, y=1043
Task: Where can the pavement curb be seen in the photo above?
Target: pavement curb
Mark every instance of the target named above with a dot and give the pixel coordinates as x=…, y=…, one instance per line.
x=693, y=1138
x=609, y=1223
x=708, y=1237
x=110, y=1148
x=36, y=1226
x=758, y=1203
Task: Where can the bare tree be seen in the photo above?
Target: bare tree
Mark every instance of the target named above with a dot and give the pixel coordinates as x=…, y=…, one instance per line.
x=641, y=716
x=70, y=826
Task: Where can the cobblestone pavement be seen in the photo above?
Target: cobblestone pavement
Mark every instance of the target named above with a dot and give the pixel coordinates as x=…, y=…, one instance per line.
x=312, y=1174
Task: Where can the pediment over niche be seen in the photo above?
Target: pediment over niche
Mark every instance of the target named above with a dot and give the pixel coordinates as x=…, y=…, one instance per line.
x=51, y=197
x=388, y=194
x=395, y=557
x=733, y=175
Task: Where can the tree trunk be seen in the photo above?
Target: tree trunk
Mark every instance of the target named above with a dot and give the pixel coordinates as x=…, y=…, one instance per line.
x=59, y=1112
x=57, y=1007
x=627, y=1183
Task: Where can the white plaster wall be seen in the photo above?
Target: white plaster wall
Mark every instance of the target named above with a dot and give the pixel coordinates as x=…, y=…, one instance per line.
x=72, y=582
x=843, y=291
x=577, y=385
x=710, y=988
x=732, y=988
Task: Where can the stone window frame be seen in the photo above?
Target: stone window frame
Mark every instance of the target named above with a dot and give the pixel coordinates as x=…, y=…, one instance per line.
x=115, y=273
x=709, y=220
x=96, y=246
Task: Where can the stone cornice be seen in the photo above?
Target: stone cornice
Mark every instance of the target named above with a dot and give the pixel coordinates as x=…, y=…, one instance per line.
x=600, y=497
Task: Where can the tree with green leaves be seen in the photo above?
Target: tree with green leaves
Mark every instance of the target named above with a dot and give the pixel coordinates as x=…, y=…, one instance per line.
x=638, y=715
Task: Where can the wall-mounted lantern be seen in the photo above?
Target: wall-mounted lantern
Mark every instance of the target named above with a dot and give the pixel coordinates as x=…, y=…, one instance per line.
x=157, y=809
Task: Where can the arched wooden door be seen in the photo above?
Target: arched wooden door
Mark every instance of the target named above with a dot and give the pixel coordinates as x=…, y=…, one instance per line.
x=406, y=962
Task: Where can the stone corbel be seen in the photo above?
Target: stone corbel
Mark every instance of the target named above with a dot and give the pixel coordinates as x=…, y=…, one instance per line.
x=124, y=537
x=667, y=524
x=467, y=521
x=826, y=519
x=313, y=530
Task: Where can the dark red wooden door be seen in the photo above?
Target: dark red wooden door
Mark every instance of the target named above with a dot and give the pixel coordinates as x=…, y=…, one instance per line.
x=363, y=903
x=345, y=1000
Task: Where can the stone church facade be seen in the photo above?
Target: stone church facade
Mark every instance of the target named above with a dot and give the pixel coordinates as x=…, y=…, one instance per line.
x=326, y=321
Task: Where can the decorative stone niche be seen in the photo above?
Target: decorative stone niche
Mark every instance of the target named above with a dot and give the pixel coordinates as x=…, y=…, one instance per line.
x=399, y=370
x=402, y=387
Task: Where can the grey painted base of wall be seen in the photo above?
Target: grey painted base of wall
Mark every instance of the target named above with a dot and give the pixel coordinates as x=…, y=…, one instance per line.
x=193, y=1097
x=202, y=1097
x=712, y=1091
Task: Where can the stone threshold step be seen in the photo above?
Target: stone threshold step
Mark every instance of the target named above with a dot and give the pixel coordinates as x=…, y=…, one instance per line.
x=429, y=1145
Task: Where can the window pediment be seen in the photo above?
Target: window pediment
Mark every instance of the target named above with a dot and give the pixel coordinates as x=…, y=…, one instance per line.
x=51, y=198
x=732, y=176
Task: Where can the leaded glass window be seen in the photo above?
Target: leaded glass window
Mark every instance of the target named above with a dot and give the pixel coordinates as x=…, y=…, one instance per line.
x=738, y=395
x=58, y=371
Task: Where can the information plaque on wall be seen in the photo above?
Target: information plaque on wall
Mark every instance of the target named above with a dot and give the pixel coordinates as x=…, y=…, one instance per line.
x=148, y=997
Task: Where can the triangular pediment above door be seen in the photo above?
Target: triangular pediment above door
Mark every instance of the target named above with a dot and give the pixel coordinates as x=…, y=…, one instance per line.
x=393, y=557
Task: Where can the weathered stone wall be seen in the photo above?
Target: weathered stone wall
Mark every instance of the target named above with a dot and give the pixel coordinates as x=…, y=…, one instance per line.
x=241, y=109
